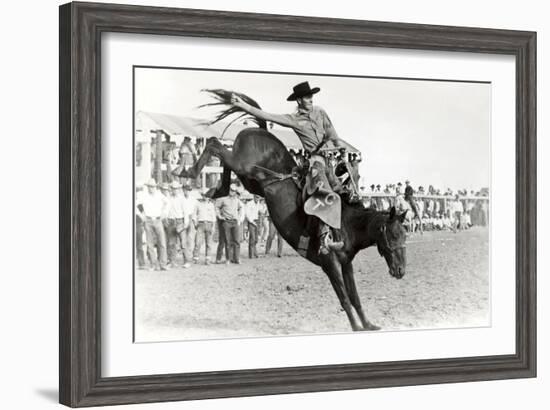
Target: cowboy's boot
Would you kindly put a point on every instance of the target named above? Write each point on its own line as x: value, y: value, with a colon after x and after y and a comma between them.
x: 327, y: 243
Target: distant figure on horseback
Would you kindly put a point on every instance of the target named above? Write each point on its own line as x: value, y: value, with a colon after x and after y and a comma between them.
x: 408, y: 201
x: 314, y: 128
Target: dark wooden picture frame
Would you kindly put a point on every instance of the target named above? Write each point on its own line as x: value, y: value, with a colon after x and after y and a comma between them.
x: 81, y: 27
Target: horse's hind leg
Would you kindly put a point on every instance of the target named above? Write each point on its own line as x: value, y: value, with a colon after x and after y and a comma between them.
x: 349, y: 281
x: 223, y: 186
x: 213, y: 148
x: 330, y: 267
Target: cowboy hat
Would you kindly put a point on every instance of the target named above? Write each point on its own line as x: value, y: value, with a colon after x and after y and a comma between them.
x: 175, y: 185
x: 302, y: 90
x: 165, y: 185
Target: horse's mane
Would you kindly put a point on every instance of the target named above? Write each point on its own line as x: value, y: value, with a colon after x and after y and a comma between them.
x: 280, y: 158
x: 223, y: 98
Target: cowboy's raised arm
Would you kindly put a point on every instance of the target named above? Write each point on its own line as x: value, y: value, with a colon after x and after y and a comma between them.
x: 283, y: 120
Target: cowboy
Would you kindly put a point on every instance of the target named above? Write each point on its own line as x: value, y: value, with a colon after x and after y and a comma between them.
x: 150, y: 210
x: 140, y: 228
x: 174, y: 224
x: 457, y: 209
x: 189, y: 206
x: 206, y: 218
x: 271, y: 236
x: 229, y: 211
x: 314, y: 128
x: 252, y: 218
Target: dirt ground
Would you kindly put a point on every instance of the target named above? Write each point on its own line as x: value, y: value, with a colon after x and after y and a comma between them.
x: 447, y: 285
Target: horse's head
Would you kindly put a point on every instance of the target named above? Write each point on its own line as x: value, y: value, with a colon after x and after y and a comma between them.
x: 391, y: 243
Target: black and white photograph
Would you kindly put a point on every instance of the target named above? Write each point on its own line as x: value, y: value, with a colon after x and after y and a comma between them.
x: 275, y: 204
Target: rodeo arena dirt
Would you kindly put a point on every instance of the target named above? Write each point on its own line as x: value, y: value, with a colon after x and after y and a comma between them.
x: 197, y: 277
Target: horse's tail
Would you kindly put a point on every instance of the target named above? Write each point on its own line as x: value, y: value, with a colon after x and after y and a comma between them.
x: 223, y: 98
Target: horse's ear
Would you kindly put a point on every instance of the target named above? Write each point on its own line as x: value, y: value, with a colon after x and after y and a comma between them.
x: 402, y: 216
x: 392, y: 213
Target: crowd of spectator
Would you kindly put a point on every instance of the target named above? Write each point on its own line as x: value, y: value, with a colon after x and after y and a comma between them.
x: 431, y: 209
x: 176, y: 229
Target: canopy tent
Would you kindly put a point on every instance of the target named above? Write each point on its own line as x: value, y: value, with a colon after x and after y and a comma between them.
x: 175, y: 126
x: 178, y: 127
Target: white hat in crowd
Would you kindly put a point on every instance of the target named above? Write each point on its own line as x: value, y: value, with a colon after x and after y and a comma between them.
x: 175, y: 185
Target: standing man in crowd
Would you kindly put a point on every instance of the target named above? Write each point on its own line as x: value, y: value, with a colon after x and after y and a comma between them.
x: 189, y: 228
x: 263, y: 228
x: 150, y: 210
x: 206, y: 218
x: 222, y: 248
x: 174, y: 223
x: 140, y: 229
x: 252, y: 218
x: 271, y: 235
x: 457, y: 209
x: 229, y: 211
x: 484, y: 213
x: 242, y: 233
x: 431, y: 207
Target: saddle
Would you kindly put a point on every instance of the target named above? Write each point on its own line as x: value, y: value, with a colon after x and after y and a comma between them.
x: 325, y: 206
x: 323, y: 193
x: 320, y: 195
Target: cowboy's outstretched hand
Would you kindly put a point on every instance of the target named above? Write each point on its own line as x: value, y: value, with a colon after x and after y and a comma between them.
x: 237, y: 101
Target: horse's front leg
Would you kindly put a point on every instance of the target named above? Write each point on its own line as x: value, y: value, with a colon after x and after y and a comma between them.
x: 330, y: 267
x: 349, y: 281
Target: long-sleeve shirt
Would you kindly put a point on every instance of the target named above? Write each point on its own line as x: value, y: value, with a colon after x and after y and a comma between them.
x: 175, y: 207
x: 312, y: 127
x: 153, y: 205
x: 189, y: 206
x: 205, y: 211
x: 252, y: 212
x: 229, y: 208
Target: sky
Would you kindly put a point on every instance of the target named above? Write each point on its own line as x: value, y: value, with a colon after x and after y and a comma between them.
x: 430, y: 132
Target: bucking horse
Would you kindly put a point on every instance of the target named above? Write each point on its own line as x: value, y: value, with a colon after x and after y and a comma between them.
x: 265, y: 168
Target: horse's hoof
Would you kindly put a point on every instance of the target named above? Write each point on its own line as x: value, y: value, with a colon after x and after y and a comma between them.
x: 370, y: 327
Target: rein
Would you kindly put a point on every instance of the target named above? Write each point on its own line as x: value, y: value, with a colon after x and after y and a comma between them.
x: 277, y: 175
